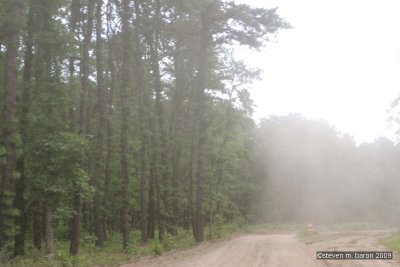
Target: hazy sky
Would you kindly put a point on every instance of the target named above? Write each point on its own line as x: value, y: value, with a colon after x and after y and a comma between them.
x: 340, y: 62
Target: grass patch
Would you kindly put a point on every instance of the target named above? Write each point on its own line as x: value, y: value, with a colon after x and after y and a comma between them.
x: 228, y: 230
x: 110, y: 255
x: 273, y: 227
x: 353, y: 226
x: 392, y: 242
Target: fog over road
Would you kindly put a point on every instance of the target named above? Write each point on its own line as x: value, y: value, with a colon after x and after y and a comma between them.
x: 273, y: 250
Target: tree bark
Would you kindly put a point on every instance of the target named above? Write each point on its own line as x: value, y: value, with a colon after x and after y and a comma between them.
x: 72, y: 28
x: 49, y: 230
x: 176, y: 132
x: 158, y: 181
x: 97, y: 209
x: 76, y: 217
x: 143, y: 115
x: 37, y: 224
x: 20, y: 221
x: 201, y: 110
x: 151, y: 224
x: 110, y: 151
x: 125, y: 125
x: 9, y: 123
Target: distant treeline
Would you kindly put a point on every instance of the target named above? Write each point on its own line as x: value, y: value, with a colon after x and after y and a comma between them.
x: 316, y: 174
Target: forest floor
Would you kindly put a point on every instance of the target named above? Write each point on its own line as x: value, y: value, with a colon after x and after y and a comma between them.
x: 273, y: 249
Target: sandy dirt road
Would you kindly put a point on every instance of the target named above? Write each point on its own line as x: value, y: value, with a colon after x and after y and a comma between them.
x: 273, y: 250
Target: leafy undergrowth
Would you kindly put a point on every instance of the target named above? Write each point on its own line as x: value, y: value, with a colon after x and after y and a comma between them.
x: 392, y: 242
x: 112, y: 255
x: 88, y: 255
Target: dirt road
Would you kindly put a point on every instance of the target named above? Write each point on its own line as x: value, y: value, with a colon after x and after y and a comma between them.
x: 273, y: 250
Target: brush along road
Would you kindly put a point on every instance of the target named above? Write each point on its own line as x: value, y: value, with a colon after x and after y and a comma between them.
x: 273, y: 250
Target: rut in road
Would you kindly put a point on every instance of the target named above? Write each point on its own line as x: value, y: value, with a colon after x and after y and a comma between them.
x: 273, y: 250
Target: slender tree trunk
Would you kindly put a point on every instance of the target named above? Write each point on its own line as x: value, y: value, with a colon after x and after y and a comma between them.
x: 42, y: 82
x: 49, y: 230
x: 20, y: 221
x: 176, y: 134
x: 143, y: 173
x: 107, y: 171
x: 201, y: 85
x: 151, y: 224
x: 192, y: 168
x: 125, y: 124
x: 159, y: 182
x: 9, y: 123
x: 98, y: 228
x: 76, y: 217
x: 199, y: 215
x: 191, y: 180
x: 142, y: 101
x: 37, y: 224
x: 159, y: 217
x: 219, y: 169
x: 72, y: 27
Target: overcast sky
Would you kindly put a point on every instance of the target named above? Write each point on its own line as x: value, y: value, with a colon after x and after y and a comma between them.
x: 340, y: 62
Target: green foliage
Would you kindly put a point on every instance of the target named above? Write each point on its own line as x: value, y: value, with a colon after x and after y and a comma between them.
x: 2, y: 154
x: 111, y: 255
x: 59, y: 157
x: 6, y: 253
x: 61, y: 230
x: 56, y: 165
x: 251, y: 26
x: 183, y: 240
x: 156, y: 248
x: 12, y: 212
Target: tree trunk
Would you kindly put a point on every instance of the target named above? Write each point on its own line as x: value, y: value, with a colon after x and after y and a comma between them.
x: 37, y: 224
x: 9, y: 124
x: 76, y: 217
x: 143, y: 112
x: 151, y: 224
x: 191, y: 184
x: 49, y: 230
x: 176, y: 133
x: 159, y: 182
x: 201, y: 85
x: 159, y: 218
x: 110, y: 151
x: 125, y: 124
x: 20, y: 221
x: 72, y: 28
x: 97, y: 209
